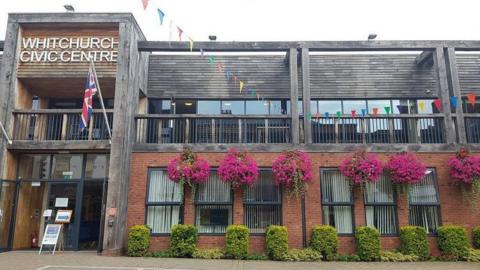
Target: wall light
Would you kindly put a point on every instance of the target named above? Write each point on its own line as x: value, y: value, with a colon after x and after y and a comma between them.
x: 188, y: 103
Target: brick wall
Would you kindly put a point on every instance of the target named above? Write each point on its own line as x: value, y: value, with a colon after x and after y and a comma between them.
x: 453, y: 209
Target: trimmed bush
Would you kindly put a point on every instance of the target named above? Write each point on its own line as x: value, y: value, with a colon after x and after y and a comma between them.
x: 325, y: 241
x: 236, y: 241
x: 476, y: 237
x: 347, y: 258
x: 393, y: 256
x: 257, y: 257
x: 413, y: 241
x: 159, y: 254
x: 277, y: 242
x: 138, y: 241
x: 367, y: 243
x: 303, y: 255
x: 183, y: 240
x: 214, y: 253
x: 473, y: 255
x: 453, y: 242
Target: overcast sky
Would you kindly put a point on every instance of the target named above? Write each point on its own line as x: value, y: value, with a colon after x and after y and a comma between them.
x: 244, y: 20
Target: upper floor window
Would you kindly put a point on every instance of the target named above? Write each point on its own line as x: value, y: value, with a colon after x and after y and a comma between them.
x: 380, y: 206
x: 208, y: 107
x: 262, y: 204
x: 337, y: 201
x: 424, y: 203
x: 356, y: 105
x: 213, y: 205
x: 164, y: 202
x: 233, y: 107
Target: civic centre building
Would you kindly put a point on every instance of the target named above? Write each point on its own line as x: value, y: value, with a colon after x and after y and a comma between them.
x: 160, y: 97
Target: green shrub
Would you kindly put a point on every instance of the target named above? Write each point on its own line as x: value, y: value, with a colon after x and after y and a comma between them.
x: 453, y: 242
x: 160, y: 254
x: 303, y: 255
x: 213, y: 253
x: 138, y: 241
x: 413, y: 241
x: 367, y: 243
x: 347, y: 258
x: 236, y: 241
x: 325, y: 241
x: 476, y: 237
x: 473, y: 255
x: 256, y: 257
x: 394, y: 256
x: 277, y: 242
x: 183, y: 240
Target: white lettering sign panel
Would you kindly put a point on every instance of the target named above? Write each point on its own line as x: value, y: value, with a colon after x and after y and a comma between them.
x: 52, y: 232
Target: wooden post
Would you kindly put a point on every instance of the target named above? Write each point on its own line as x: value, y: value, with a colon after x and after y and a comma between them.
x: 443, y: 94
x: 240, y: 135
x: 213, y: 130
x: 455, y: 86
x: 159, y: 130
x: 64, y: 126
x: 90, y: 127
x: 266, y: 130
x: 293, y: 69
x: 187, y: 130
x: 307, y: 125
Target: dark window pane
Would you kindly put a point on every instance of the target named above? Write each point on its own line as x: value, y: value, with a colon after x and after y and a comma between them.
x: 34, y: 167
x: 213, y: 218
x: 425, y: 216
x: 67, y: 166
x: 97, y: 166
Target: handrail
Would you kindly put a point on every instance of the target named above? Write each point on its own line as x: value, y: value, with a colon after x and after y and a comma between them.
x: 216, y: 116
x: 56, y: 111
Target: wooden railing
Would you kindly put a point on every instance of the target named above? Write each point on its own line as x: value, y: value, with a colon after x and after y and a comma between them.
x: 59, y: 125
x: 222, y: 129
x: 385, y: 129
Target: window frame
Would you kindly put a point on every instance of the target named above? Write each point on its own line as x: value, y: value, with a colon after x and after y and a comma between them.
x: 148, y: 204
x: 351, y: 203
x: 394, y: 204
x: 437, y: 204
x: 196, y: 203
x: 259, y: 203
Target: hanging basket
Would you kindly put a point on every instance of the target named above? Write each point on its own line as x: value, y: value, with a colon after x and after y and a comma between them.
x: 361, y: 168
x: 405, y: 169
x: 238, y: 169
x: 292, y: 170
x: 188, y: 168
x: 465, y: 171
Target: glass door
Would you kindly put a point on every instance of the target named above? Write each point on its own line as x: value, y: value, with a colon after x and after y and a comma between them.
x: 7, y: 200
x: 63, y: 196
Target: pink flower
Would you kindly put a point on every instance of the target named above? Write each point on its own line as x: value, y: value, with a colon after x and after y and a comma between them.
x: 405, y: 168
x: 188, y: 168
x: 361, y: 168
x: 292, y: 169
x: 238, y: 168
x: 464, y: 168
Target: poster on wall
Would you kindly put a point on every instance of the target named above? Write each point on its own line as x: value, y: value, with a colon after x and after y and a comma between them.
x: 61, y: 202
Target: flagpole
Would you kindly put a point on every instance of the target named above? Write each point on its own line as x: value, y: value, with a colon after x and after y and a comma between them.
x: 5, y: 133
x: 101, y: 101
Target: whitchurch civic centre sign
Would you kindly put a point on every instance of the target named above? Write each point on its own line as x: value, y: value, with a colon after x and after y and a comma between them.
x: 68, y: 49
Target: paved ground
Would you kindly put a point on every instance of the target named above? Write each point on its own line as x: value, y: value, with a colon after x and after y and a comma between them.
x: 28, y: 260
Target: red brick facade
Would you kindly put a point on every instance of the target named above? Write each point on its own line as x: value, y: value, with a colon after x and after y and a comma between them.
x: 453, y: 209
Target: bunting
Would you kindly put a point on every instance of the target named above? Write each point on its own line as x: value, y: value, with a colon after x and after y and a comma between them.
x: 327, y: 114
x: 180, y: 32
x: 454, y: 101
x: 387, y: 109
x: 161, y: 15
x: 438, y: 104
x: 145, y: 4
x: 421, y: 105
x: 241, y: 86
x: 339, y: 114
x: 364, y: 112
x: 353, y: 113
x: 375, y: 111
x: 471, y: 99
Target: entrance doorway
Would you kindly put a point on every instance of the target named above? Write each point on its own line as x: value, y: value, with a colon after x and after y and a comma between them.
x: 75, y: 182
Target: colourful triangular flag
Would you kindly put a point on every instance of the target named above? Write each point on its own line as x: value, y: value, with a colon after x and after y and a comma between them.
x: 161, y: 15
x: 327, y: 114
x: 258, y: 96
x: 339, y: 114
x: 145, y: 4
x: 180, y: 32
x: 241, y: 86
x: 438, y: 104
x: 309, y: 116
x: 387, y: 109
x: 211, y: 59
x: 454, y: 101
x: 201, y: 52
x: 364, y: 112
x: 220, y: 67
x: 471, y: 98
x: 421, y: 105
x: 353, y: 113
x: 375, y: 111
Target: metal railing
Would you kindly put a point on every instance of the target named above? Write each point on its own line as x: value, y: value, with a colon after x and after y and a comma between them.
x: 225, y: 129
x: 59, y: 125
x: 382, y: 129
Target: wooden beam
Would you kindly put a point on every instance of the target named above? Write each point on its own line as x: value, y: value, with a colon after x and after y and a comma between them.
x: 424, y: 59
x: 293, y: 70
x: 306, y: 95
x: 444, y: 95
x: 284, y: 46
x: 454, y: 84
x: 1, y: 45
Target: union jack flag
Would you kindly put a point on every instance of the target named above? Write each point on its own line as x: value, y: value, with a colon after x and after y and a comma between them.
x: 90, y: 91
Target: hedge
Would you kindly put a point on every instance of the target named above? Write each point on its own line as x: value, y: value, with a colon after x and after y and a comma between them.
x: 476, y: 237
x: 413, y: 241
x: 453, y: 242
x: 325, y: 241
x: 277, y: 242
x: 138, y: 241
x: 303, y: 255
x: 211, y: 254
x: 183, y: 240
x: 367, y: 243
x: 236, y: 241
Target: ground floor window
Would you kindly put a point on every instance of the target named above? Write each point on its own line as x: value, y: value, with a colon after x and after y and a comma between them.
x: 262, y: 204
x: 337, y: 201
x: 380, y: 206
x: 424, y: 204
x: 164, y: 202
x: 213, y: 204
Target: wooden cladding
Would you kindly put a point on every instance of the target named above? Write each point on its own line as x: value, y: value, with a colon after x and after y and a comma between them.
x: 468, y: 66
x: 76, y: 44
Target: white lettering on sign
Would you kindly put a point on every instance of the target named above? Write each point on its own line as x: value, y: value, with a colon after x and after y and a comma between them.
x: 68, y: 49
